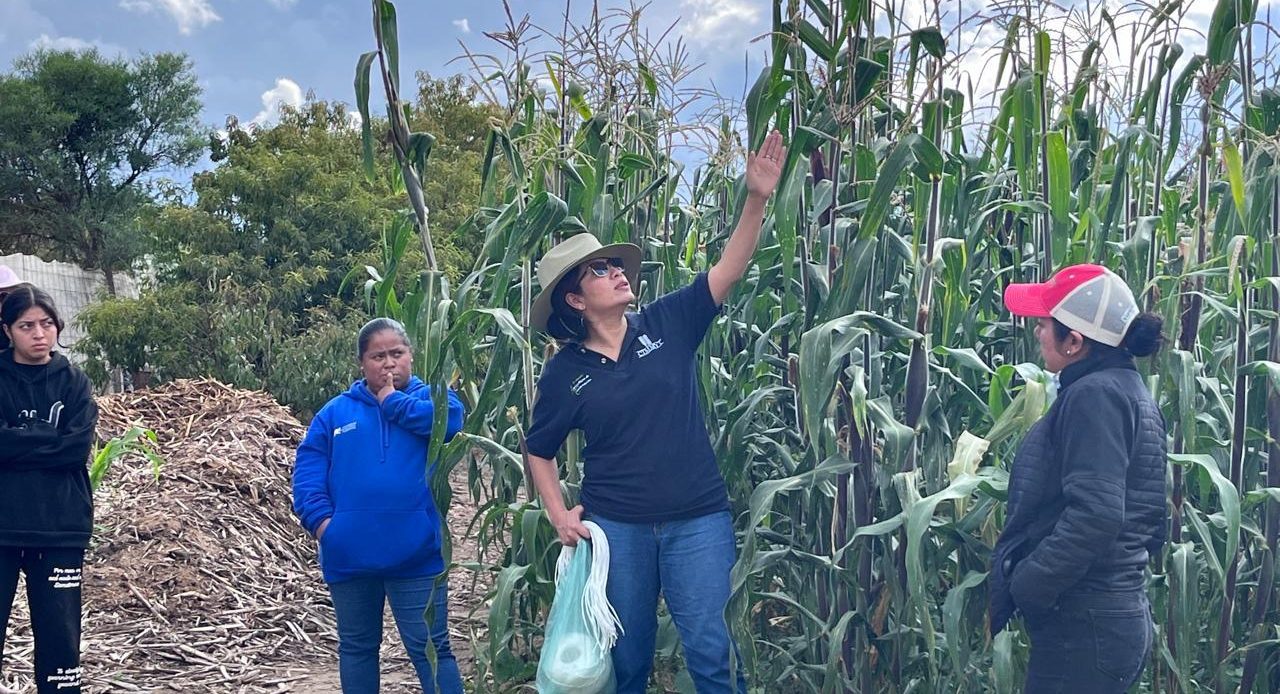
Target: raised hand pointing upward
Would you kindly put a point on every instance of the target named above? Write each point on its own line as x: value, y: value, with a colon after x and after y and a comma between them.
x: 765, y: 166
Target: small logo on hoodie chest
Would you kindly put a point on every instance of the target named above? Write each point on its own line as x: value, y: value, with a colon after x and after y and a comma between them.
x: 55, y: 414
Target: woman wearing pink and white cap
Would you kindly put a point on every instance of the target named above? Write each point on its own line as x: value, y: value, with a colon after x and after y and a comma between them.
x: 1087, y: 502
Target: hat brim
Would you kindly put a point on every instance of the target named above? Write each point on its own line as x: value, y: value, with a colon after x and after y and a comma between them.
x: 1026, y: 300
x: 631, y: 256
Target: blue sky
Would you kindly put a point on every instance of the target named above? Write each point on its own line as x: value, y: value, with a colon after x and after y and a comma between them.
x: 252, y: 55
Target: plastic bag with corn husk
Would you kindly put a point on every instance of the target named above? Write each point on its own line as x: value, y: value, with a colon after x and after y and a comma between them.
x: 583, y: 626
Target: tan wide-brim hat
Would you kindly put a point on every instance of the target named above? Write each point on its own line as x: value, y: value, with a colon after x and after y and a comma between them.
x: 569, y: 254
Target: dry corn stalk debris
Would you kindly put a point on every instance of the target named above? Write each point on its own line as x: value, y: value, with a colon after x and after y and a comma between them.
x: 203, y: 581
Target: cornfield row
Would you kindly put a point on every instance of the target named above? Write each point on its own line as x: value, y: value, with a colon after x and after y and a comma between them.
x: 865, y: 387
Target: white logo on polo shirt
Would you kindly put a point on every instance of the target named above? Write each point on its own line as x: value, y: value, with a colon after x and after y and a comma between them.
x: 649, y: 346
x: 579, y: 383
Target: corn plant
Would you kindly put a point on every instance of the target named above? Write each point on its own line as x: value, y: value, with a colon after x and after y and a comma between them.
x: 137, y: 441
x: 864, y: 386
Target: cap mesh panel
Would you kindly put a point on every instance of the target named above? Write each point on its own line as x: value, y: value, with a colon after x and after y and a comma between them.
x: 1117, y: 315
x: 1083, y: 304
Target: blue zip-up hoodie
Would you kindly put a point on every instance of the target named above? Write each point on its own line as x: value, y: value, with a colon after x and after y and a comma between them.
x: 364, y: 466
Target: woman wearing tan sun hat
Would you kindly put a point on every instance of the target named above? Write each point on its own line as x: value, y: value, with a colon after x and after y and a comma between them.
x: 554, y: 316
x: 628, y: 381
x: 1086, y: 491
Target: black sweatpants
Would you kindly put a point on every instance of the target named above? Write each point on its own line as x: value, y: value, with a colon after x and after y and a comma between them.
x: 53, y: 593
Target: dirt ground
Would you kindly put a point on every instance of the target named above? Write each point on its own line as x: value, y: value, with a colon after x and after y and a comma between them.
x: 397, y: 677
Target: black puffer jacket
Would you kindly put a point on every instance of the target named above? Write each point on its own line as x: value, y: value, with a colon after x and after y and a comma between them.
x: 1086, y: 494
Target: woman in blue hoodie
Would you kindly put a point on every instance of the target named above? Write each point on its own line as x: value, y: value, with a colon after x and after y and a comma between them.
x: 47, y: 420
x: 360, y: 488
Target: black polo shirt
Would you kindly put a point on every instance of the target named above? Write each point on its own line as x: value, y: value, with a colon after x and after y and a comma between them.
x: 648, y: 457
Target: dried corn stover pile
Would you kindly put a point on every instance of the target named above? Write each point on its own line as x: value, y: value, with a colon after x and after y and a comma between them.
x: 203, y: 581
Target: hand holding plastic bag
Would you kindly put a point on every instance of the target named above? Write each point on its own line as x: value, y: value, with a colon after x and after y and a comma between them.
x: 582, y: 627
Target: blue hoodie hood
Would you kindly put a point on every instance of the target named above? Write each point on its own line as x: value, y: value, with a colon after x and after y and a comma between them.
x: 364, y: 466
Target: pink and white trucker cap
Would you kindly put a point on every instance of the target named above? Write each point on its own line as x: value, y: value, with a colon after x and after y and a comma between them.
x: 1089, y: 299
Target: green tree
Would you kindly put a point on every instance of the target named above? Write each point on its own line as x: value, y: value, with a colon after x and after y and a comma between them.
x: 79, y: 136
x: 284, y: 211
x: 259, y: 257
x: 256, y: 252
x: 127, y: 333
x: 180, y: 331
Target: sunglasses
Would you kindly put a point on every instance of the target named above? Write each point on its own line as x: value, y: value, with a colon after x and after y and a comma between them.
x: 601, y: 266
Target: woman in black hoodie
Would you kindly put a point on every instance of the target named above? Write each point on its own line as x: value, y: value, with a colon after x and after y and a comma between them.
x: 47, y: 420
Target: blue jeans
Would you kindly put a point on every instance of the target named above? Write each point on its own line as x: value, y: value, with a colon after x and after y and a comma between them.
x: 688, y: 561
x: 358, y: 605
x: 1089, y: 642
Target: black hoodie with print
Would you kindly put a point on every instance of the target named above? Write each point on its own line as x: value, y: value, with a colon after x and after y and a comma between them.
x: 47, y: 420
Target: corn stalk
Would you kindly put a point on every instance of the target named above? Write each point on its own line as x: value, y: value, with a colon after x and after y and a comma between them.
x: 865, y: 388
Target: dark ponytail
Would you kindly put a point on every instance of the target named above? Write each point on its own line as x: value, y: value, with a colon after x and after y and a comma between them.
x: 1145, y: 335
x: 1144, y: 338
x: 566, y: 323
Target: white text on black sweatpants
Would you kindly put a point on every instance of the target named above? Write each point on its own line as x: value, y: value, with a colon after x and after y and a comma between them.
x: 53, y: 593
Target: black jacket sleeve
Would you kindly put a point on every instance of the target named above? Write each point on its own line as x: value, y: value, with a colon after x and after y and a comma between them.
x: 1095, y: 431
x: 17, y: 444
x: 39, y: 445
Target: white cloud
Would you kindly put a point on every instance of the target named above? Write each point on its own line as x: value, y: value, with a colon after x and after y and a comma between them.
x: 61, y: 43
x: 283, y: 4
x: 720, y: 21
x: 71, y: 43
x: 189, y: 14
x: 21, y: 20
x: 285, y: 93
x: 463, y: 25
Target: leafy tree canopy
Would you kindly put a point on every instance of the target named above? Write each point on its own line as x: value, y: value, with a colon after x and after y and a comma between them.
x: 79, y: 136
x: 256, y: 251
